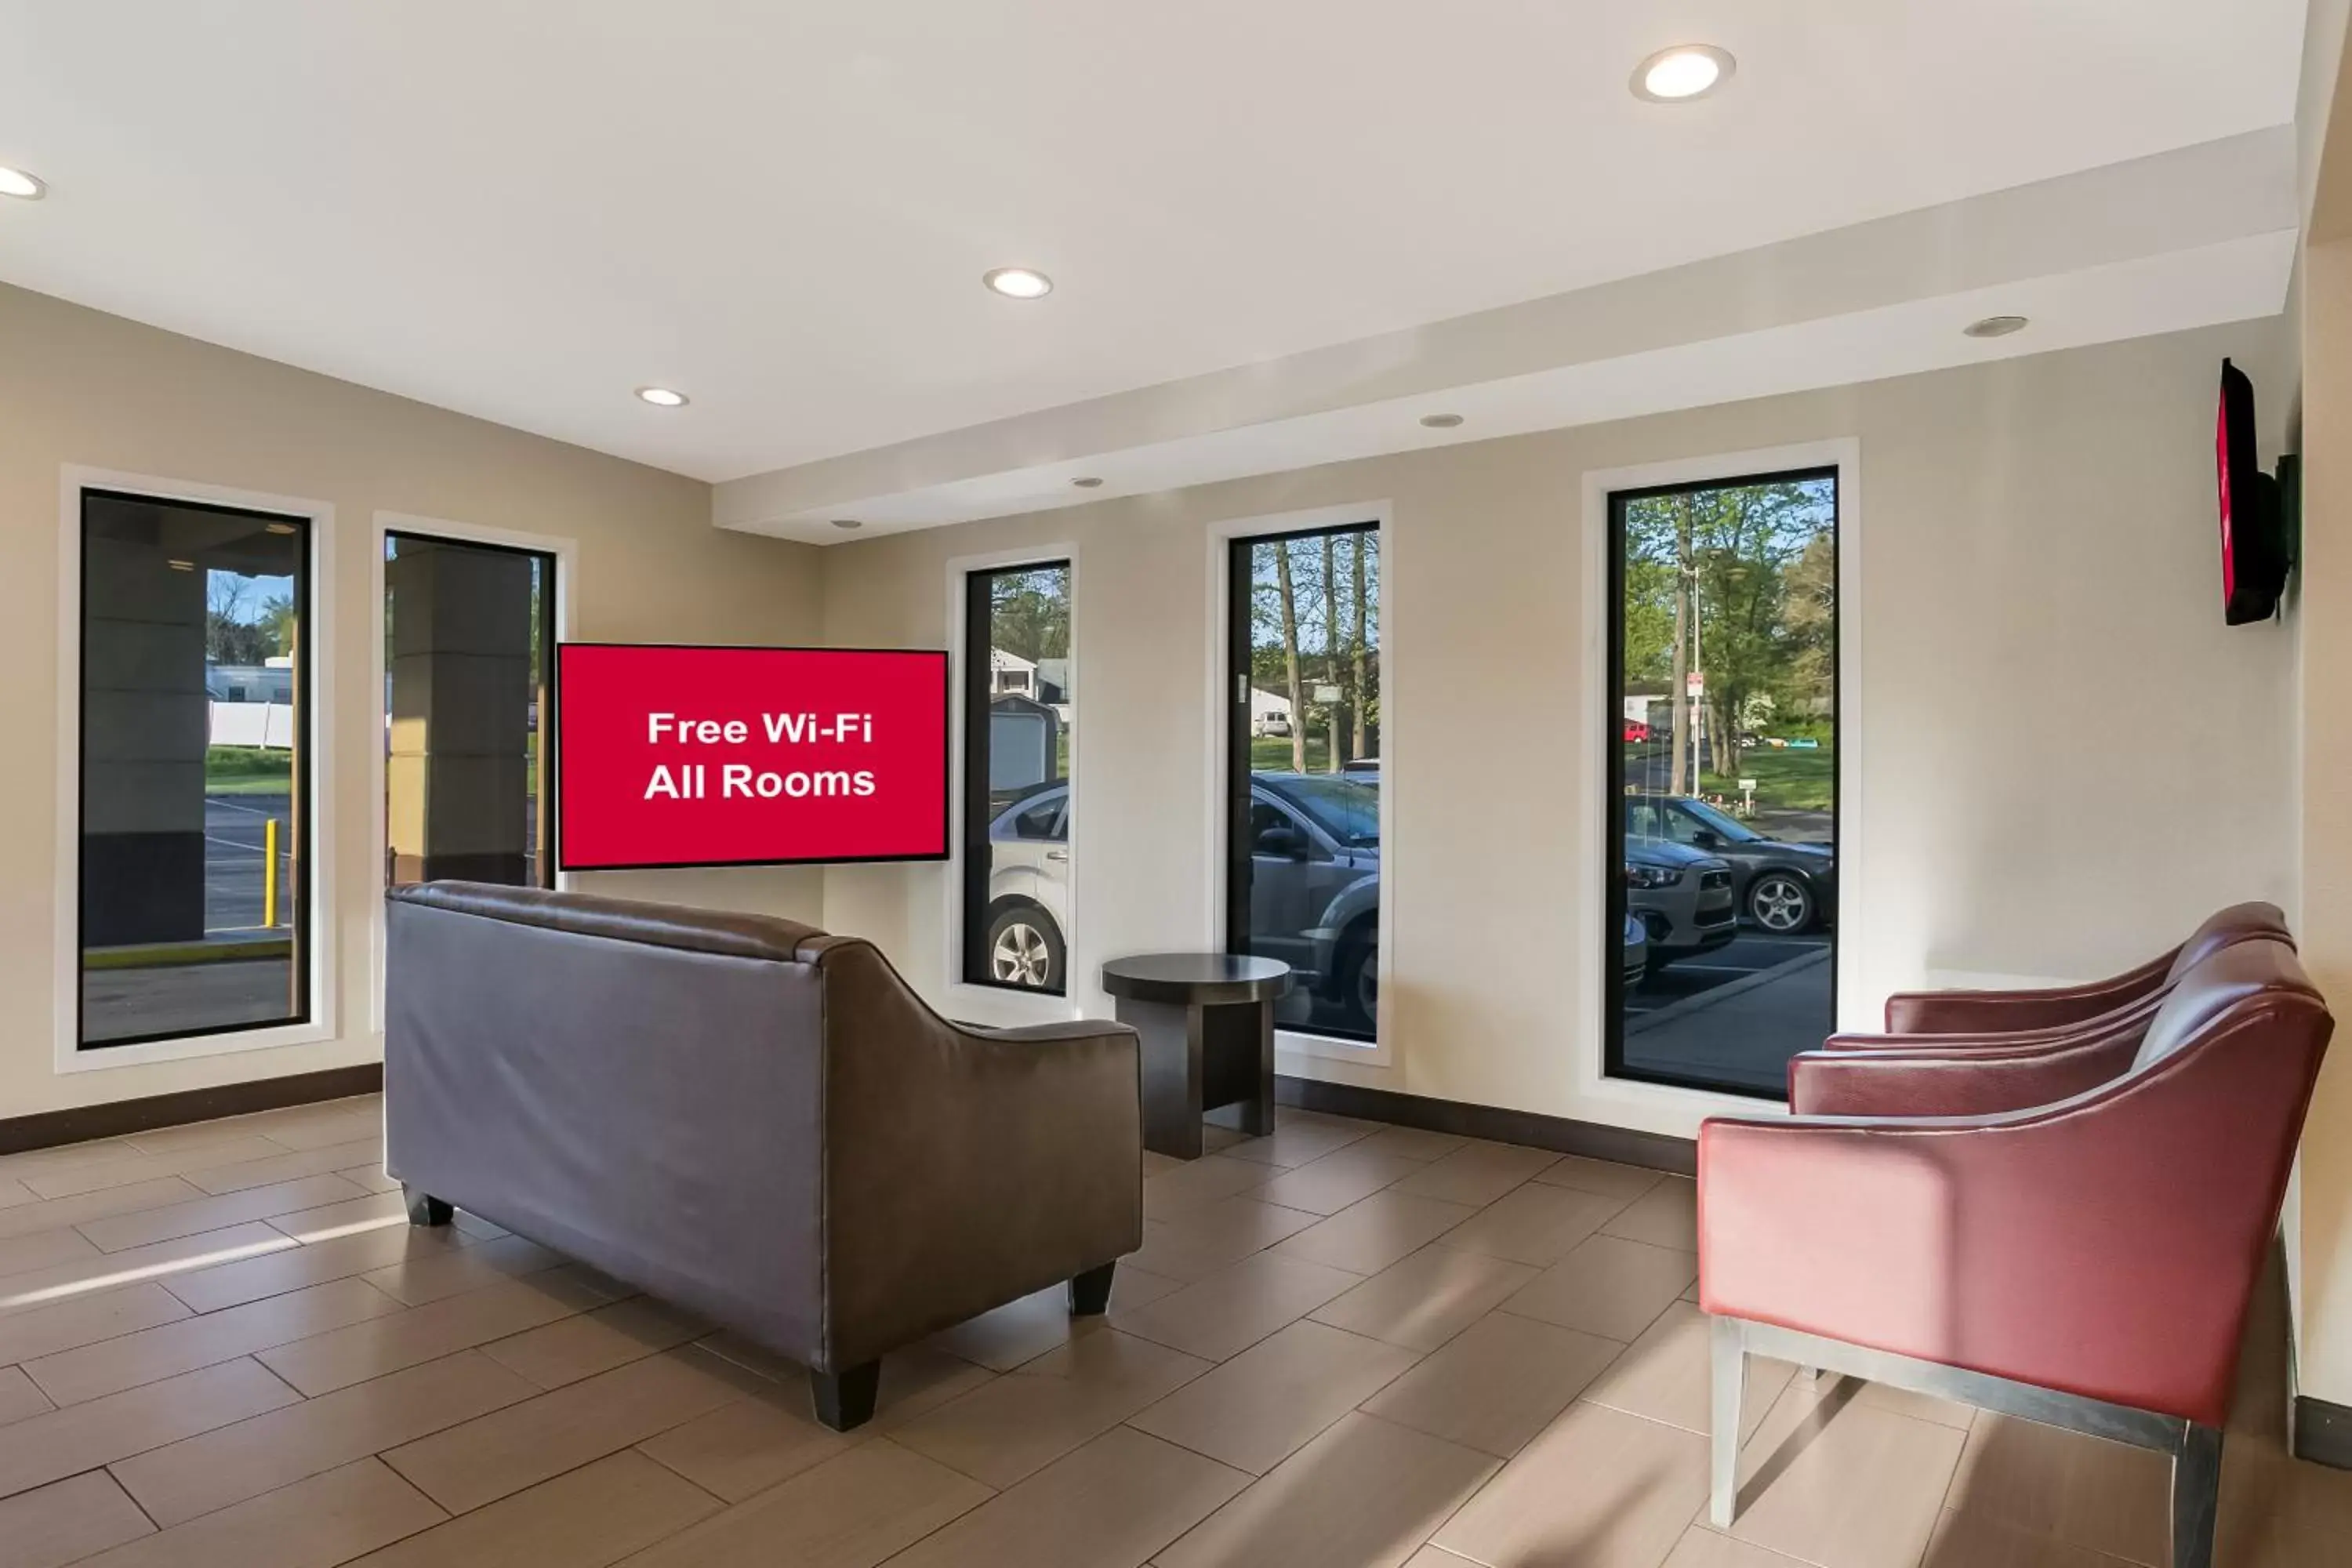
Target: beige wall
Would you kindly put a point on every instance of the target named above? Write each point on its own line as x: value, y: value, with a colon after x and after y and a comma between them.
x: 2066, y: 758
x: 2326, y: 628
x: 80, y: 387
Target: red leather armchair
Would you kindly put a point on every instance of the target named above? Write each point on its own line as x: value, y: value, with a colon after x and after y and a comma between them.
x: 2066, y: 1232
x: 1979, y: 1012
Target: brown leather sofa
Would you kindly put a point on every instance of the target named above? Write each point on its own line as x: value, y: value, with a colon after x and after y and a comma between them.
x: 750, y: 1119
x: 2069, y: 1231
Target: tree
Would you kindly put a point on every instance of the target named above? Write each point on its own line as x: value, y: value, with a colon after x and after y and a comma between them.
x: 1290, y: 656
x: 1359, y: 693
x: 1736, y: 584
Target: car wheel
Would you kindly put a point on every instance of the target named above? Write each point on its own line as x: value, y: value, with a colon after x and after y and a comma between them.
x: 1024, y: 949
x: 1360, y: 984
x: 1780, y: 903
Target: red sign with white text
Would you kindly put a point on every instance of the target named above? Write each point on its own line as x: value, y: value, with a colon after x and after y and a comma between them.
x: 738, y: 756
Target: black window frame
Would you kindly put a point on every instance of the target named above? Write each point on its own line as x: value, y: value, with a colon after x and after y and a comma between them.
x: 303, y: 885
x: 978, y: 683
x: 1612, y: 869
x: 1240, y: 866
x: 543, y: 834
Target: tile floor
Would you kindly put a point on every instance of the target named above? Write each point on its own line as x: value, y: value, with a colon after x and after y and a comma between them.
x: 1341, y: 1345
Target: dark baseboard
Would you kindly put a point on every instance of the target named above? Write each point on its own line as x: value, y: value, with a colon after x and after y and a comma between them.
x: 2323, y: 1432
x: 1652, y: 1151
x: 121, y: 1118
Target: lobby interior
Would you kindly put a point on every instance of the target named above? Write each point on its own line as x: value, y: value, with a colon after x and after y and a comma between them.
x: 1616, y: 626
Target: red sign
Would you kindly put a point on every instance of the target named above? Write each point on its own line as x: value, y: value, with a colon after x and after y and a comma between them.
x: 743, y: 756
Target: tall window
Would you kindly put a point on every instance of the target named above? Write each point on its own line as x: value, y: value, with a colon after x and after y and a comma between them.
x: 1019, y: 704
x: 1723, y: 759
x: 194, y: 795
x: 468, y: 631
x: 1303, y: 791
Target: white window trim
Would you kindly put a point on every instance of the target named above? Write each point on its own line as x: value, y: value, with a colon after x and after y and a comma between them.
x: 1665, y: 1107
x: 1000, y: 1005
x: 324, y: 916
x: 1295, y: 1049
x: 567, y: 571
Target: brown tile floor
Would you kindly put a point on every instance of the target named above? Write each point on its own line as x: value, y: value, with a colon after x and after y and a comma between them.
x: 1341, y: 1345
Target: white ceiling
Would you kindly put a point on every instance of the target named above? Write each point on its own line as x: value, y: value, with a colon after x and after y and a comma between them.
x: 524, y: 211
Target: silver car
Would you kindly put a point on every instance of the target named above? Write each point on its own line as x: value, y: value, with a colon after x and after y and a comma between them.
x: 1029, y: 890
x: 1314, y: 888
x: 1683, y: 896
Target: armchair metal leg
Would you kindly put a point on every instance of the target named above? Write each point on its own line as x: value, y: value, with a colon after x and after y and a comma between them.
x: 2196, y: 1496
x: 424, y: 1208
x: 1730, y: 1353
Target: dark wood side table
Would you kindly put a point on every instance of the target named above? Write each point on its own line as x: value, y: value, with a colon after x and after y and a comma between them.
x: 1207, y: 1022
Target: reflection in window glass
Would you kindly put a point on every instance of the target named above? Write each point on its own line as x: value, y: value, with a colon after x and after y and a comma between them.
x: 467, y: 633
x: 1303, y: 867
x: 1723, y: 885
x: 194, y: 728
x: 1020, y: 702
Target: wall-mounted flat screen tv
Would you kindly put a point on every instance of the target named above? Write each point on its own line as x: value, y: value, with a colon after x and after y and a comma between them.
x: 2254, y: 527
x: 670, y: 755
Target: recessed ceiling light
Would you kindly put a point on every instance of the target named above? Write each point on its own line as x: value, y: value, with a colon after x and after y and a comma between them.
x: 663, y: 396
x: 278, y: 527
x: 1018, y: 282
x: 1995, y: 327
x: 846, y: 523
x: 1088, y: 483
x: 181, y: 565
x: 19, y: 184
x: 1682, y: 73
x: 1440, y: 421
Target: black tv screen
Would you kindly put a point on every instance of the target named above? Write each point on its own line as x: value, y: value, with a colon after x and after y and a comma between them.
x: 2253, y: 542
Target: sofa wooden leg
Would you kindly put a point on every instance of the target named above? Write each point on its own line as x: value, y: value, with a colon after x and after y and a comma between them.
x: 424, y: 1208
x: 1090, y: 1292
x: 2196, y: 1496
x: 844, y: 1399
x: 1730, y: 1355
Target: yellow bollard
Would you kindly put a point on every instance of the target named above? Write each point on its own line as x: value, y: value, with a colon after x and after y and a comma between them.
x: 270, y: 874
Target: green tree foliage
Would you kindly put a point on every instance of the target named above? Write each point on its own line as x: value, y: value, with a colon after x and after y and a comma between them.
x: 1761, y: 562
x: 1332, y: 632
x: 1029, y: 613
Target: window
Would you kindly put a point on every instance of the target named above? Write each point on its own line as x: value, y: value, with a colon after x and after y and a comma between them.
x: 1723, y: 853
x: 194, y: 795
x: 468, y: 631
x: 1303, y: 808
x: 1019, y: 704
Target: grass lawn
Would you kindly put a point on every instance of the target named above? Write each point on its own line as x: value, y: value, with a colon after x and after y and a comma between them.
x: 247, y: 769
x: 1791, y: 780
x: 1271, y: 754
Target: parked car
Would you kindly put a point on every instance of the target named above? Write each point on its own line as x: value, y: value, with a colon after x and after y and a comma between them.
x: 1315, y: 883
x: 1636, y: 960
x: 1682, y: 895
x: 1276, y: 726
x: 1636, y: 730
x: 1315, y: 886
x: 1780, y: 885
x: 1029, y: 889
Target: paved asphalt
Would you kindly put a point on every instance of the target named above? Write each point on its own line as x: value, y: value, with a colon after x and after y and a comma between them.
x: 234, y: 827
x: 1740, y: 957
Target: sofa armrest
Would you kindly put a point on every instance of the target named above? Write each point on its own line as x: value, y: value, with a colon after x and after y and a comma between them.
x: 1924, y: 1081
x: 1062, y: 1029
x: 965, y: 1167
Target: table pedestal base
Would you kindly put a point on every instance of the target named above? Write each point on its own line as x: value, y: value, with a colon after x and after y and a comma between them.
x: 1197, y: 1057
